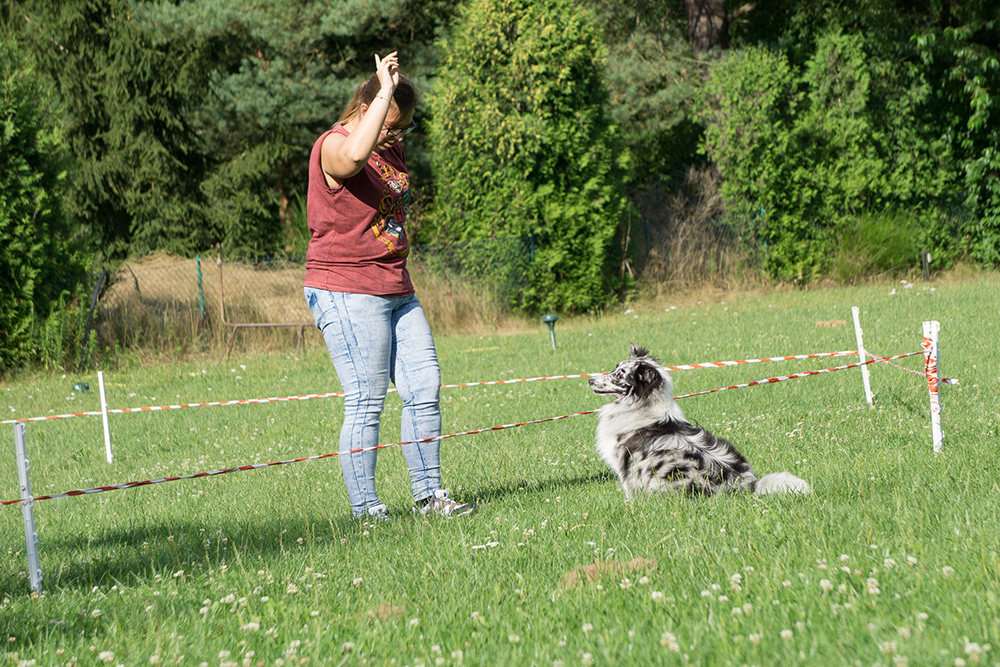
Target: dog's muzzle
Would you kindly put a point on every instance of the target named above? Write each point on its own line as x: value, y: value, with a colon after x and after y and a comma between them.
x: 605, y: 385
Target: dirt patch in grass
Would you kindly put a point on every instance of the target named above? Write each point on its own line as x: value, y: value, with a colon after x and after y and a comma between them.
x: 598, y: 570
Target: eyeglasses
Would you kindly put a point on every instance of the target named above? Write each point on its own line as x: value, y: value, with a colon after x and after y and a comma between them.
x: 400, y: 131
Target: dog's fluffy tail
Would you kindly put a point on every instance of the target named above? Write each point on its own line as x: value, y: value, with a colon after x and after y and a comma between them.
x: 781, y: 482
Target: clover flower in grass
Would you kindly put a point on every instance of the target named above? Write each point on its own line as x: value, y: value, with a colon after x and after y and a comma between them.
x: 106, y: 656
x: 252, y: 626
x: 786, y: 634
x: 871, y: 586
x: 911, y: 561
x: 587, y: 659
x: 947, y: 572
x: 667, y: 639
x: 96, y: 613
x: 414, y: 622
x: 292, y: 589
x: 755, y: 638
x: 974, y: 650
x: 587, y: 627
x: 657, y: 596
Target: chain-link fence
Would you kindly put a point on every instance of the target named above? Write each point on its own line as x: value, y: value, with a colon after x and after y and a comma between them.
x: 172, y: 304
x: 680, y: 254
x: 179, y: 305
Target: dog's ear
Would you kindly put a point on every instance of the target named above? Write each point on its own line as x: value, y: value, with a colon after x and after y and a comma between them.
x: 647, y: 379
x: 638, y: 350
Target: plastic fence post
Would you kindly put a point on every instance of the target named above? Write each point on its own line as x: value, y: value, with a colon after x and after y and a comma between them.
x: 104, y: 415
x: 861, y: 354
x: 28, y: 509
x: 932, y: 370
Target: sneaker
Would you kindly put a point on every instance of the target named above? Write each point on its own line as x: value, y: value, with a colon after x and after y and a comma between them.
x: 439, y: 503
x: 379, y: 512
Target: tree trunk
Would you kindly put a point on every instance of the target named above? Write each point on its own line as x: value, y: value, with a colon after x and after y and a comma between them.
x: 708, y: 26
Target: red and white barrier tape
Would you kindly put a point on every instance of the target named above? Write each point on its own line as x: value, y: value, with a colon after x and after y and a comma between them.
x: 255, y: 466
x: 800, y: 375
x: 910, y: 370
x: 157, y: 408
x: 720, y: 364
x: 281, y: 399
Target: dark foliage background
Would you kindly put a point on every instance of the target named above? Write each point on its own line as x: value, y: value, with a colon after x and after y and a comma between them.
x: 133, y: 126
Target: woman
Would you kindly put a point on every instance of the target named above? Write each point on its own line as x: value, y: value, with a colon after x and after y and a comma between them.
x: 360, y: 294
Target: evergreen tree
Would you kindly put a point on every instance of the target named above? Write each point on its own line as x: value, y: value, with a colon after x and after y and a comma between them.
x: 276, y: 77
x: 38, y: 260
x: 136, y: 162
x: 523, y: 145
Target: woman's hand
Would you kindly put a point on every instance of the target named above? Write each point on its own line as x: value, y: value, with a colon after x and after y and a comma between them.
x: 388, y: 71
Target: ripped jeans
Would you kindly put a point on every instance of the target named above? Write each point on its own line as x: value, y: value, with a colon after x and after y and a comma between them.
x: 373, y: 340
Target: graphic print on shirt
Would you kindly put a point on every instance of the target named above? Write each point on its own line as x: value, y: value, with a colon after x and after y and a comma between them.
x: 391, y: 216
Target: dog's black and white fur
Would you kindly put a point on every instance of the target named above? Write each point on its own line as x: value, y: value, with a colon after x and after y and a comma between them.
x: 644, y: 437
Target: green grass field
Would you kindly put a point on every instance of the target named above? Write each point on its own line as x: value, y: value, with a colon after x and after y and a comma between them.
x: 893, y: 560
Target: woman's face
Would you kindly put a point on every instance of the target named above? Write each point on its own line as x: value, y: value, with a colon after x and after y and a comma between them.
x: 396, y: 126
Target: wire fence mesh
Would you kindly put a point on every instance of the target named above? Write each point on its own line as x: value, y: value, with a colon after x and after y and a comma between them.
x: 173, y: 303
x: 170, y: 303
x: 680, y: 253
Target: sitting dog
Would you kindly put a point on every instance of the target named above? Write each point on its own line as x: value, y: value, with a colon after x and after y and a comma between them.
x: 644, y: 437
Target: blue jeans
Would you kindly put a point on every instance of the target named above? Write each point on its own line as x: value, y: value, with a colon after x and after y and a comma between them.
x: 374, y: 340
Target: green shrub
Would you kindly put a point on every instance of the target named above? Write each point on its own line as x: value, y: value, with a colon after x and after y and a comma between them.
x: 38, y: 255
x: 523, y: 145
x: 806, y: 151
x: 60, y: 338
x: 874, y: 243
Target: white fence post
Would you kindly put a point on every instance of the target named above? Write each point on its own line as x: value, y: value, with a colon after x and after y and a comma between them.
x: 104, y: 416
x: 28, y: 509
x: 931, y: 368
x: 861, y: 354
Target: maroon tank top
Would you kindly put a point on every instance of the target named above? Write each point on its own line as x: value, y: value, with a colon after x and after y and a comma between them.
x: 357, y: 239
